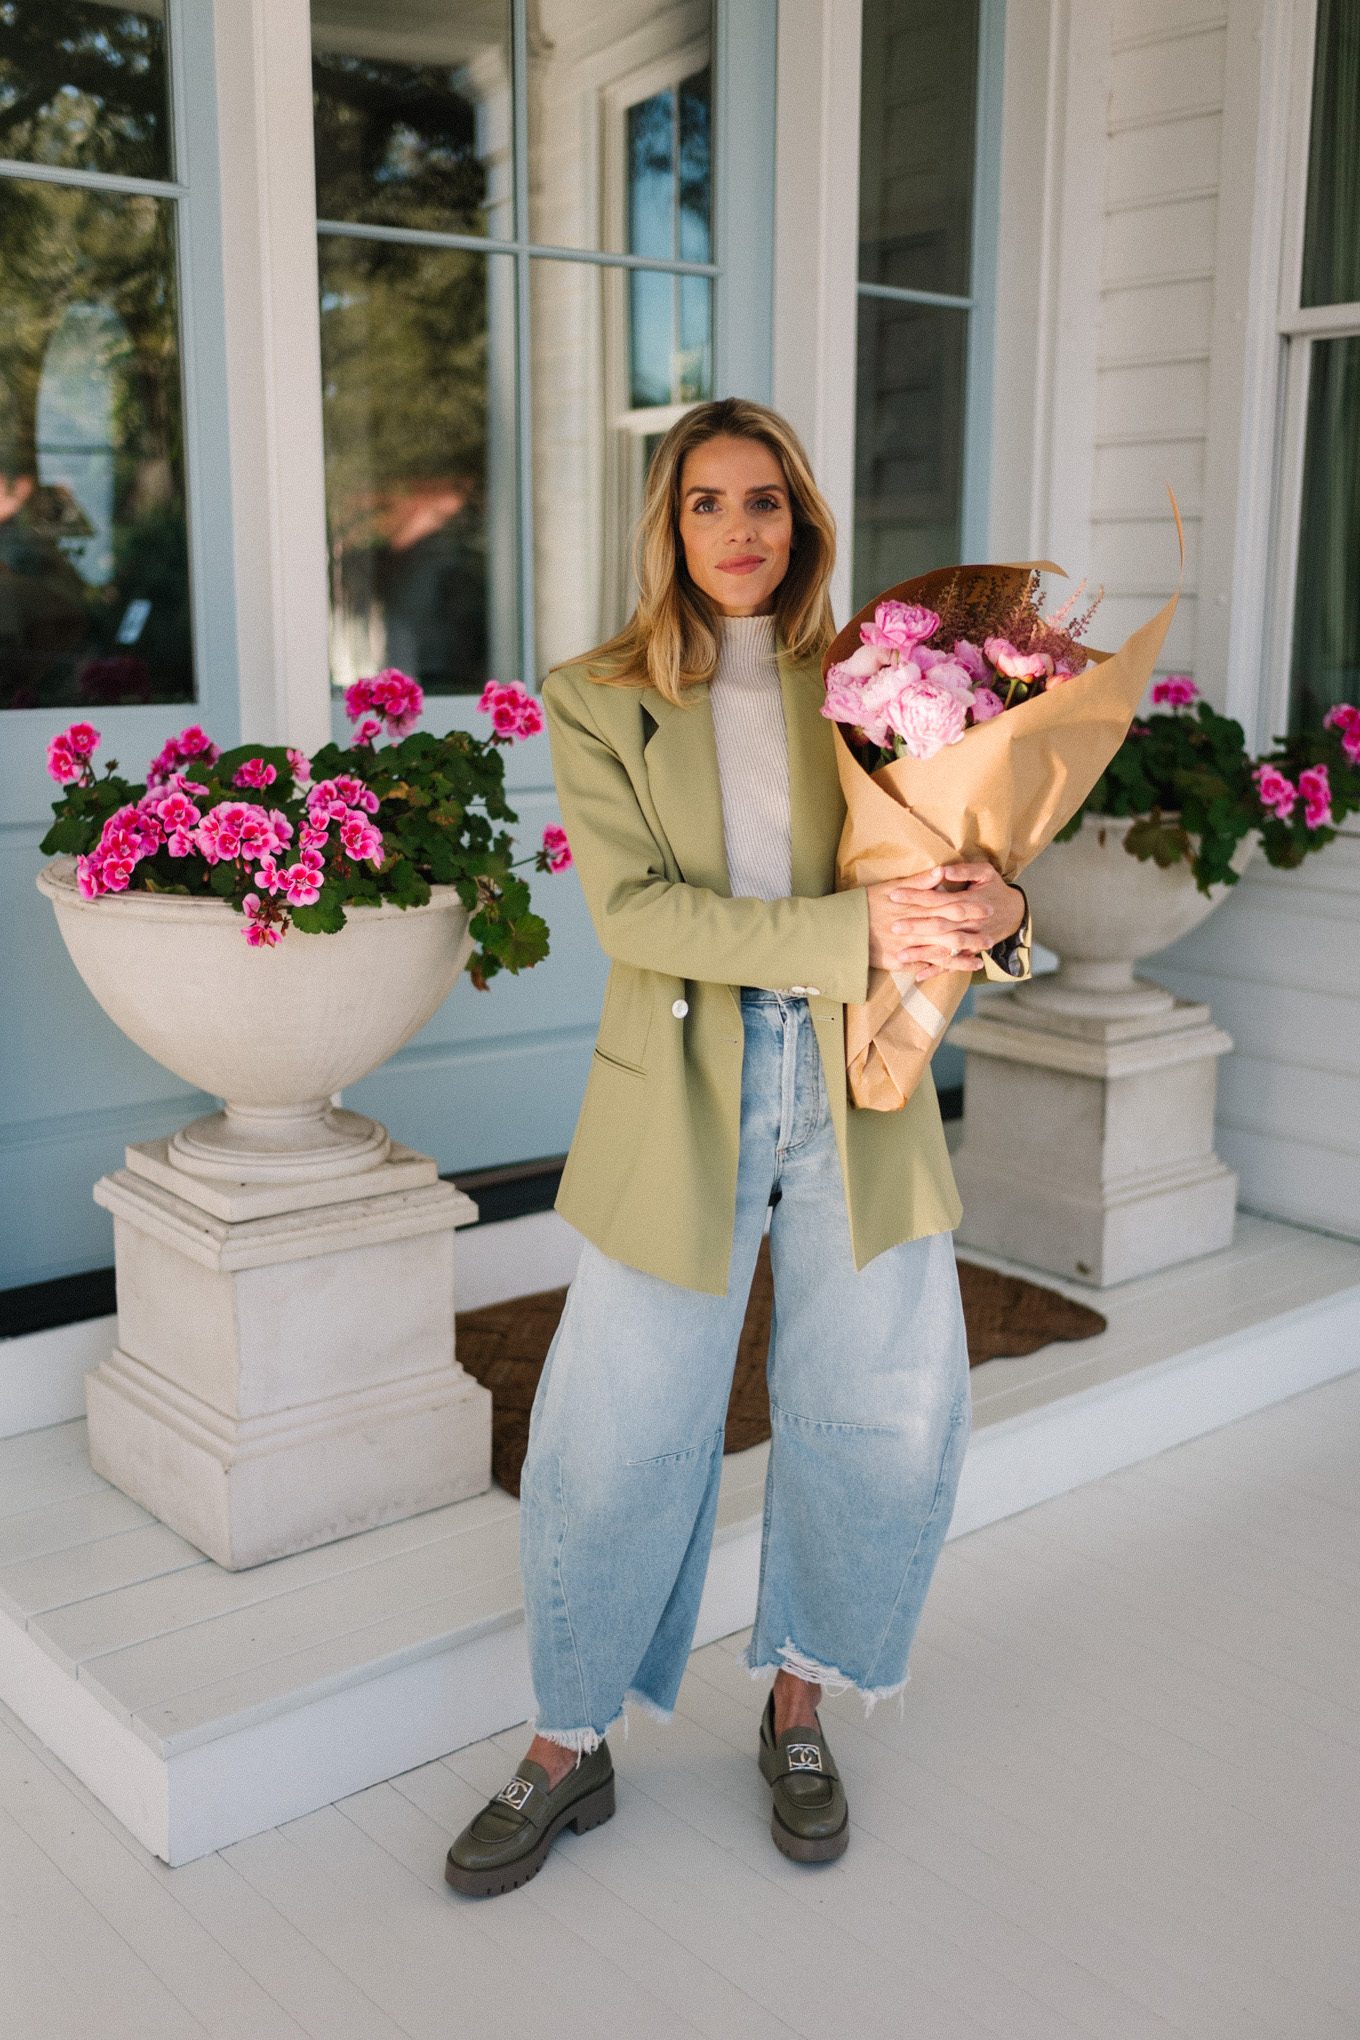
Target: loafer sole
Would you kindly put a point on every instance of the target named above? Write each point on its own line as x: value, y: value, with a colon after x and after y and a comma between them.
x: 809, y: 1848
x: 583, y: 1814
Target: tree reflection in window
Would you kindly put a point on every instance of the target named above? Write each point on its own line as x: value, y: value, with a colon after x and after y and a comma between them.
x: 669, y: 216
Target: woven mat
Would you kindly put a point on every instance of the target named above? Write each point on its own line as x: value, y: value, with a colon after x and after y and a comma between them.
x: 505, y: 1345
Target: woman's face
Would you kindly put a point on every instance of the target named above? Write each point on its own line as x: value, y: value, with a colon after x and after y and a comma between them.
x: 736, y: 523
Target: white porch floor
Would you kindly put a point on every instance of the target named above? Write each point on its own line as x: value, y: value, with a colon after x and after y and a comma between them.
x: 1124, y: 1801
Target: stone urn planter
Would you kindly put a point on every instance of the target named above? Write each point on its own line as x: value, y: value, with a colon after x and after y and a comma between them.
x: 1088, y: 1135
x: 1103, y: 910
x: 285, y: 1371
x: 273, y: 1032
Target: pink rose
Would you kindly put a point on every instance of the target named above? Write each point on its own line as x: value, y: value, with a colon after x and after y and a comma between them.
x: 1177, y: 690
x: 927, y: 717
x: 986, y: 704
x: 903, y: 625
x: 556, y: 846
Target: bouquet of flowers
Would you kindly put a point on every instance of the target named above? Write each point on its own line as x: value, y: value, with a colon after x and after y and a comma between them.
x: 291, y: 841
x: 969, y: 726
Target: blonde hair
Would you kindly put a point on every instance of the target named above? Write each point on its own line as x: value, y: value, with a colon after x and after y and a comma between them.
x: 670, y: 641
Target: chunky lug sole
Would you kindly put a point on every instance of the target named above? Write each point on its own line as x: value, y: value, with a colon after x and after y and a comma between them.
x: 804, y: 1850
x: 584, y: 1814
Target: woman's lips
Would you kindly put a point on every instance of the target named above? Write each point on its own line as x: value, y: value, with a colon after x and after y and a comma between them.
x: 746, y: 565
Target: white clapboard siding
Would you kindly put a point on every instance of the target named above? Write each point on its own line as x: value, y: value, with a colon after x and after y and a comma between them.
x: 1163, y: 145
x: 1279, y: 961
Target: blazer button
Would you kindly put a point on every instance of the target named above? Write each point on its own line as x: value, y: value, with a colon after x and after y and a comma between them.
x: 680, y: 1008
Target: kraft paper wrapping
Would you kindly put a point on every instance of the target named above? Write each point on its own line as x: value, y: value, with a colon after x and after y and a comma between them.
x: 1002, y: 792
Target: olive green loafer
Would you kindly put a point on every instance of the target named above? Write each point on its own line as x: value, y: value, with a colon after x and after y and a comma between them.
x: 508, y: 1841
x: 809, y: 1820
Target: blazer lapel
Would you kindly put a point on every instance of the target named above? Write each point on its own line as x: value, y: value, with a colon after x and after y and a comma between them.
x: 681, y: 758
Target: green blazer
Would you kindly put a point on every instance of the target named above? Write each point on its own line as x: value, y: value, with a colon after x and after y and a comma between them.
x: 652, y: 1172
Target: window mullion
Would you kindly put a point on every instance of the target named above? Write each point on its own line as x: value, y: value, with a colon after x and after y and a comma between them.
x: 524, y: 416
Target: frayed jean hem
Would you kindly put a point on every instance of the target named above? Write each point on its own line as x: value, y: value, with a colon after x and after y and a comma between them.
x: 829, y: 1677
x: 584, y: 1740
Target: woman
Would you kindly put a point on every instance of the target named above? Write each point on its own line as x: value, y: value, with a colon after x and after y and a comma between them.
x: 698, y: 785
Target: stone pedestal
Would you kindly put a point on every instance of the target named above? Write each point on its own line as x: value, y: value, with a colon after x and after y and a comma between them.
x: 1088, y: 1140
x: 285, y: 1370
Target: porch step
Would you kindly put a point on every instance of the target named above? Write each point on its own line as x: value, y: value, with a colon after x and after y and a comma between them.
x: 202, y: 1706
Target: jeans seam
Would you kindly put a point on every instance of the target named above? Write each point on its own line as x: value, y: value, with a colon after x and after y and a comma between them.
x: 673, y: 1458
x: 955, y: 1421
x: 562, y: 1590
x: 833, y: 1423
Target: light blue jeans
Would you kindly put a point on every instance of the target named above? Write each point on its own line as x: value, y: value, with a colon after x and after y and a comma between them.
x: 871, y: 1411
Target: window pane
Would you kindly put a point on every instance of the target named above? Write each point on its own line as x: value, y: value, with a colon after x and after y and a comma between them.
x: 593, y: 437
x: 94, y: 581
x: 917, y: 124
x: 1331, y: 249
x: 418, y: 351
x: 1326, y: 664
x: 619, y: 121
x: 83, y: 85
x: 909, y: 418
x: 412, y: 109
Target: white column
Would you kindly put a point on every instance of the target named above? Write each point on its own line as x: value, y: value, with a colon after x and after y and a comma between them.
x: 816, y: 249
x: 265, y: 186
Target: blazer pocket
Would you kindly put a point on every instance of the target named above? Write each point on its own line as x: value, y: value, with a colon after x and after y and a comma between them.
x: 616, y: 1062
x: 626, y: 1020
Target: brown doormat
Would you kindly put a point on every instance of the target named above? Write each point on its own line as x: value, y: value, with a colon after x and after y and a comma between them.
x: 505, y: 1345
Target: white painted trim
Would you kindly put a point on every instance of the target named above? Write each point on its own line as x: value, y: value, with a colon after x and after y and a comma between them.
x: 816, y: 246
x: 272, y: 379
x: 208, y: 1792
x: 1245, y: 649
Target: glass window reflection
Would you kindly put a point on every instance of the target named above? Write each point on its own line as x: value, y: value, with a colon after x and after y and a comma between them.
x: 417, y: 365
x: 83, y: 86
x: 413, y: 114
x: 909, y: 423
x: 918, y: 123
x: 94, y: 581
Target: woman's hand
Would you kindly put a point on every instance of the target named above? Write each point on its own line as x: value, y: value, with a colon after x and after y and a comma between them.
x: 942, y: 919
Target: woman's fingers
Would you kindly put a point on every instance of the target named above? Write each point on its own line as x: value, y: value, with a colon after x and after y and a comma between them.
x: 940, y: 916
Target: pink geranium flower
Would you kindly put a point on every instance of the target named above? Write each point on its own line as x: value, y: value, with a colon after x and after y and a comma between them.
x: 1178, y: 690
x: 355, y: 794
x: 1275, y: 790
x: 192, y: 742
x: 1346, y: 718
x: 368, y: 729
x: 360, y: 839
x: 302, y: 885
x: 255, y: 772
x: 300, y: 765
x: 1316, y: 790
x: 264, y: 925
x: 398, y: 699
x: 68, y: 756
x: 557, y: 847
x: 513, y: 710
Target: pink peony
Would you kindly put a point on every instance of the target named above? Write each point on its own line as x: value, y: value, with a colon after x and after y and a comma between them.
x: 970, y: 658
x: 902, y: 625
x: 1063, y: 670
x: 557, y: 847
x: 1275, y: 790
x: 945, y: 671
x: 255, y: 772
x: 927, y: 717
x: 1013, y: 665
x: 986, y: 704
x: 1177, y: 691
x: 862, y: 664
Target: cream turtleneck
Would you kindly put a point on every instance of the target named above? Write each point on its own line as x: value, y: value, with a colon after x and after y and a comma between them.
x: 753, y: 762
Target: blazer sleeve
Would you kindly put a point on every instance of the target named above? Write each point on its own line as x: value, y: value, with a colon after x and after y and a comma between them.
x: 1009, y: 958
x: 642, y: 917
